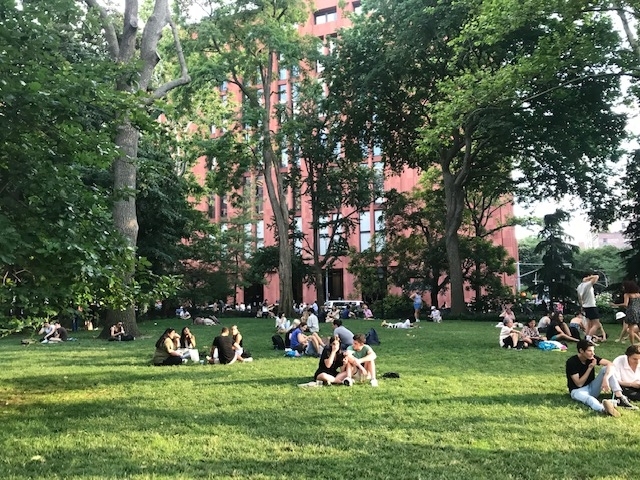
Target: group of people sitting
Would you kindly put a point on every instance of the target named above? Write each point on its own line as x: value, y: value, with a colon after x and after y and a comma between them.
x: 344, y: 357
x: 174, y: 349
x: 550, y: 327
x: 53, y: 333
x: 620, y: 377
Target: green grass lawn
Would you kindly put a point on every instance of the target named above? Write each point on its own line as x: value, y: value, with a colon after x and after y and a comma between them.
x: 463, y: 408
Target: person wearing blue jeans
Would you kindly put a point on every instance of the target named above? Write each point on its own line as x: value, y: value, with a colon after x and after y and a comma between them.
x: 584, y: 386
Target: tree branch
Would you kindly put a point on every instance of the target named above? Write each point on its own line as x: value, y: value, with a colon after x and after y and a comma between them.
x: 109, y: 29
x: 184, y: 73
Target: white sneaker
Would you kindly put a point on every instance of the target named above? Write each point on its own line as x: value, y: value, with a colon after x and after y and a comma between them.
x: 348, y: 382
x: 374, y: 382
x: 248, y: 359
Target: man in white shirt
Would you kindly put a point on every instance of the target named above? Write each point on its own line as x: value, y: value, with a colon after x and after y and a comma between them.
x: 587, y: 300
x: 435, y: 314
x: 312, y: 322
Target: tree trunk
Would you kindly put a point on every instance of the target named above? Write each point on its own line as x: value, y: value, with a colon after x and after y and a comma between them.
x: 124, y: 214
x: 454, y: 198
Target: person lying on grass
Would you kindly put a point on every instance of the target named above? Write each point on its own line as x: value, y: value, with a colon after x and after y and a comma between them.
x: 166, y: 352
x: 365, y: 359
x: 584, y: 386
x: 406, y: 324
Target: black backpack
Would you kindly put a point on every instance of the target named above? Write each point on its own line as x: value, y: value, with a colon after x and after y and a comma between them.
x: 371, y: 338
x: 278, y: 342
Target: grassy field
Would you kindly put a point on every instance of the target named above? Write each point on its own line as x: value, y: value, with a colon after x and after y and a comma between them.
x: 463, y: 408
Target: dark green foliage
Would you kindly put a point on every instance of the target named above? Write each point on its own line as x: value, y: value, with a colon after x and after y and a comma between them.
x: 558, y: 279
x: 57, y: 112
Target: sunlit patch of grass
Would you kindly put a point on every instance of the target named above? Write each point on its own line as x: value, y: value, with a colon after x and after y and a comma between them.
x: 462, y: 408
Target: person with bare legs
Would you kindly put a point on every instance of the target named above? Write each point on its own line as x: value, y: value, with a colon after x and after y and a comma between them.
x: 416, y: 296
x: 558, y: 330
x: 509, y: 337
x: 587, y: 300
x: 362, y: 356
x: 631, y: 301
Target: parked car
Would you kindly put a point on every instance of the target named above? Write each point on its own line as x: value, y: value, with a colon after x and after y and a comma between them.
x: 356, y: 305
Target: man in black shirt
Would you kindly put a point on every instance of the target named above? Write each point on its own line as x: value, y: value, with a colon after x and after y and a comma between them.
x: 584, y: 386
x: 222, y: 349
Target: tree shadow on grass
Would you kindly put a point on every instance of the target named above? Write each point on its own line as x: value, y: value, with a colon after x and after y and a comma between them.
x: 250, y: 444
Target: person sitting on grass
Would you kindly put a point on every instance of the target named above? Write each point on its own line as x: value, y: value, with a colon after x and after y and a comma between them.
x: 530, y: 334
x: 236, y: 336
x: 367, y: 313
x: 313, y: 323
x: 543, y: 323
x: 282, y: 324
x: 577, y: 324
x: 627, y: 372
x: 166, y: 353
x: 346, y: 313
x: 48, y: 330
x: 584, y: 386
x: 435, y: 315
x: 406, y: 324
x: 342, y: 332
x: 222, y: 351
x: 187, y: 339
x: 509, y: 337
x: 363, y: 359
x: 308, y: 344
x: 558, y: 330
x: 117, y: 334
x: 332, y: 367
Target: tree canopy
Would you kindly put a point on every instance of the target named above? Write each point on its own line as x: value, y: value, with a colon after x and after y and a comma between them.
x: 471, y: 87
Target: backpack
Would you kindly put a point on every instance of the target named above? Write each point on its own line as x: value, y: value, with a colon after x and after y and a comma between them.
x: 278, y: 342
x: 371, y: 338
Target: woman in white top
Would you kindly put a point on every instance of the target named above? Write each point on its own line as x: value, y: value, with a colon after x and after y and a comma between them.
x: 627, y: 372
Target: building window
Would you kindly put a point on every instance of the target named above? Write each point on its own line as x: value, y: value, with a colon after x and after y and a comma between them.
x: 378, y: 225
x: 365, y: 231
x: 260, y: 234
x: 378, y: 168
x: 284, y: 154
x: 224, y: 86
x: 325, y: 16
x: 295, y: 97
x: 211, y: 207
x: 357, y: 8
x: 224, y: 212
x: 223, y: 99
x: 282, y: 94
x: 377, y: 150
x: 259, y: 196
x: 319, y: 65
x: 298, y: 234
x: 295, y: 71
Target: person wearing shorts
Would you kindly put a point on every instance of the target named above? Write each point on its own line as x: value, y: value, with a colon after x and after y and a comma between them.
x: 587, y: 300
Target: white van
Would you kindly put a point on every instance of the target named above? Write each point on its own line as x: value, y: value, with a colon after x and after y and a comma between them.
x: 340, y: 304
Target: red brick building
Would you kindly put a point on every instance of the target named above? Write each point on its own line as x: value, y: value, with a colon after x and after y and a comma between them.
x: 324, y: 23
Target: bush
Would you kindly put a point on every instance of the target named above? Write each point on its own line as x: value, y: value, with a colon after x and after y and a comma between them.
x: 396, y: 306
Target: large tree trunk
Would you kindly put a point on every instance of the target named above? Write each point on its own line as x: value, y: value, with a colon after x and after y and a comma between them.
x: 123, y: 50
x: 124, y: 215
x: 454, y: 198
